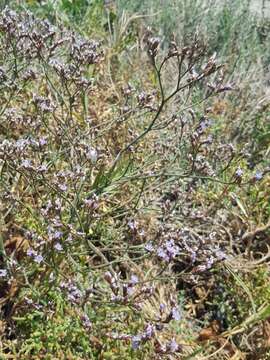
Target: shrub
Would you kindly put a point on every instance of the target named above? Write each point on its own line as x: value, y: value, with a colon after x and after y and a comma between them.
x: 118, y: 191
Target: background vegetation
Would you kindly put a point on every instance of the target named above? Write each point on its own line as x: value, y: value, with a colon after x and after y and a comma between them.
x: 134, y: 180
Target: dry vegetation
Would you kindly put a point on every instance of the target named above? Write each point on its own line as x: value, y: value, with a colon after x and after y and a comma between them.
x: 134, y: 180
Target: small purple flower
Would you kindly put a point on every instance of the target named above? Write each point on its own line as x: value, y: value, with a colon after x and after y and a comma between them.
x: 176, y: 314
x: 130, y: 290
x: 117, y: 298
x: 202, y: 127
x: 149, y: 332
x: 149, y: 247
x: 57, y: 234
x: 135, y: 341
x: 132, y: 225
x: 173, y: 346
x: 209, y: 139
x: 42, y: 141
x: 162, y: 254
x: 162, y: 308
x: 58, y: 247
x: 88, y: 202
x: 86, y: 322
x: 62, y: 187
x: 30, y: 252
x: 69, y: 239
x: 26, y: 164
x: 92, y: 155
x: 239, y: 172
x: 162, y: 348
x: 210, y: 262
x: 74, y: 294
x: 3, y: 273
x: 220, y: 254
x: 133, y: 280
x: 28, y: 301
x: 258, y: 176
x: 42, y: 168
x: 58, y: 203
x: 193, y: 256
x: 38, y: 259
x: 172, y: 249
x: 201, y: 268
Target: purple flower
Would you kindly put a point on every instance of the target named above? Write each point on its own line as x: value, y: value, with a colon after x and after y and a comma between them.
x: 62, y: 187
x: 210, y: 262
x: 130, y: 290
x: 57, y: 234
x: 149, y: 247
x: 117, y: 298
x: 69, y: 239
x: 92, y: 155
x: 58, y: 203
x: 28, y: 301
x: 201, y: 268
x: 133, y: 280
x: 135, y: 341
x: 193, y: 256
x: 149, y: 332
x: 3, y: 273
x: 38, y: 258
x: 239, y: 172
x: 86, y: 322
x: 26, y: 164
x: 209, y: 139
x: 42, y: 141
x: 30, y: 252
x: 42, y: 168
x: 172, y: 249
x: 220, y: 254
x: 162, y: 307
x: 258, y: 176
x: 162, y: 254
x: 168, y: 251
x: 58, y: 247
x: 132, y: 225
x: 172, y: 346
x: 74, y: 294
x: 176, y: 314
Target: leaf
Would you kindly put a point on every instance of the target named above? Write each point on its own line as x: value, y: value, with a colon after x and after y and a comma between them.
x: 240, y: 205
x: 210, y: 332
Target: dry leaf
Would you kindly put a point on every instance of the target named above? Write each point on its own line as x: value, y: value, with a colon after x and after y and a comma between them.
x: 210, y: 332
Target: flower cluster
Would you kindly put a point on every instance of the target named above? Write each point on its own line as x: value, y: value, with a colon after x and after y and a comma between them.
x: 118, y: 184
x: 73, y: 293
